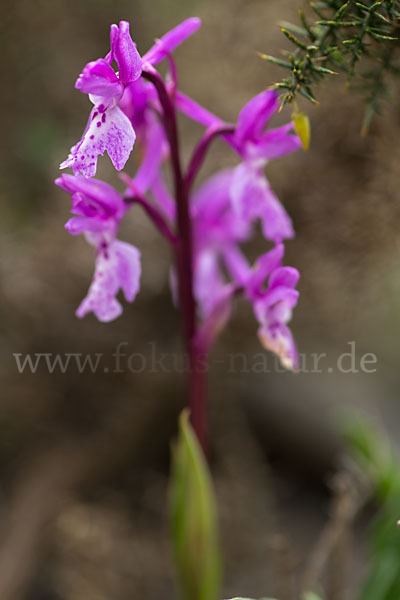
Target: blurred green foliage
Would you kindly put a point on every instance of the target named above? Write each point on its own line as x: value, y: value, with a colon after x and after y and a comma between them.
x: 311, y: 596
x: 380, y: 462
x: 194, y: 518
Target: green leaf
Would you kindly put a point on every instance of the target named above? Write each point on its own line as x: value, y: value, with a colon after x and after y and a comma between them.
x: 342, y: 10
x: 293, y: 39
x: 380, y: 36
x: 194, y: 518
x: 324, y: 70
x: 276, y: 61
x: 307, y: 95
x: 337, y: 23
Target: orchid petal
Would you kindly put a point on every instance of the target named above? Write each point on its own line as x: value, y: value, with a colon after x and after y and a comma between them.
x: 255, y: 114
x: 214, y: 220
x: 79, y: 225
x: 162, y: 196
x: 209, y: 283
x: 216, y: 320
x: 100, y: 298
x: 155, y: 148
x: 124, y: 52
x: 99, y: 78
x: 95, y: 190
x: 137, y: 98
x: 264, y: 266
x: 168, y: 42
x: 279, y: 340
x: 117, y: 267
x: 213, y: 195
x: 284, y: 276
x: 274, y: 143
x: 236, y: 264
x: 129, y: 268
x: 276, y: 305
x: 195, y: 111
x: 252, y: 198
x: 111, y: 131
x: 276, y: 223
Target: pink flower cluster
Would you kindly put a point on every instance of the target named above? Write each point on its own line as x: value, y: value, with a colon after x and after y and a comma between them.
x: 131, y: 105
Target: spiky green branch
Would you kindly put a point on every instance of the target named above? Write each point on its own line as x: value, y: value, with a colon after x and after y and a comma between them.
x: 360, y: 39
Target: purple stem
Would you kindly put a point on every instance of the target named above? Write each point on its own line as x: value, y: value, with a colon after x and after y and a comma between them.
x: 155, y: 215
x: 202, y: 148
x: 184, y: 263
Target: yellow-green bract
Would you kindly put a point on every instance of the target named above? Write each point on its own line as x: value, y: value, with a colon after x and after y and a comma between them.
x: 193, y: 518
x: 302, y: 127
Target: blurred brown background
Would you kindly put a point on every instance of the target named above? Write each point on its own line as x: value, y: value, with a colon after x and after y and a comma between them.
x: 84, y: 457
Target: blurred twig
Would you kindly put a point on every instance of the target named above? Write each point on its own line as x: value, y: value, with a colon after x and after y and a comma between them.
x: 347, y: 501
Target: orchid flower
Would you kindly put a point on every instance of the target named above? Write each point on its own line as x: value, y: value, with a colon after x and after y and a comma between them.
x: 251, y: 194
x: 270, y: 288
x: 108, y: 128
x: 98, y: 209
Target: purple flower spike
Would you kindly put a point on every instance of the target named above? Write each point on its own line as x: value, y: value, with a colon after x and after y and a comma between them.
x: 211, y: 268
